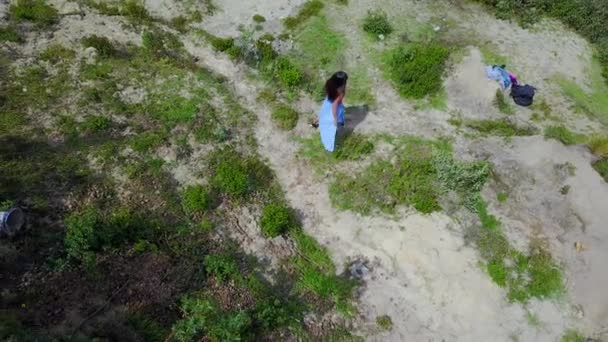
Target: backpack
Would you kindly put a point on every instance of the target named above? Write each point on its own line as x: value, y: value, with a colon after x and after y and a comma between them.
x: 523, y: 95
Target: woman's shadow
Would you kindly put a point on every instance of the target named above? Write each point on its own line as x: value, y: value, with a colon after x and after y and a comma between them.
x: 354, y: 116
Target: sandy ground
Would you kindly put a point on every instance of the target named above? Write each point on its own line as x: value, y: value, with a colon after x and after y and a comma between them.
x: 421, y: 271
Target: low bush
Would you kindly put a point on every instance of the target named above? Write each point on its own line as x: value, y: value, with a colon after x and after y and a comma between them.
x: 276, y: 220
x: 376, y: 23
x: 417, y: 69
x: 287, y: 73
x: 56, y: 53
x: 8, y: 34
x: 384, y: 322
x: 136, y: 12
x: 196, y: 199
x: 231, y: 178
x: 285, y: 117
x: 36, y: 11
x: 502, y: 104
x: 97, y: 123
x: 222, y: 266
x: 103, y: 45
x: 354, y: 147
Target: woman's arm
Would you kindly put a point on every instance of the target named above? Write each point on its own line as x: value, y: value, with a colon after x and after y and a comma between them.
x: 334, y: 106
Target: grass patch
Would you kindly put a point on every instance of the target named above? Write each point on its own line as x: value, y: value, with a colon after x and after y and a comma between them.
x: 573, y: 336
x: 563, y: 134
x: 285, y: 117
x: 417, y: 69
x: 502, y: 128
x: 56, y: 53
x: 8, y: 34
x: 276, y: 220
x: 594, y: 103
x: 103, y: 45
x: 259, y: 19
x: 348, y: 147
x: 136, y: 12
x: 598, y: 144
x: 35, y: 11
x: 359, y: 89
x: 601, y: 167
x: 309, y: 9
x: 501, y: 103
x: 196, y: 199
x: 376, y: 24
x: 384, y: 322
x: 490, y: 57
x: 502, y: 197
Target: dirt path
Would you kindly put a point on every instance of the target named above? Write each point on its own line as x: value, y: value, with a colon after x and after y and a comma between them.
x: 422, y: 274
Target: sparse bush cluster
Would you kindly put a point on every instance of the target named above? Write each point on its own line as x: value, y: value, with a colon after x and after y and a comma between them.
x: 9, y: 34
x: 501, y: 127
x: 285, y: 117
x: 237, y: 176
x: 196, y: 199
x: 417, y: 69
x: 376, y: 23
x: 563, y: 134
x: 276, y: 220
x: 103, y: 45
x: 36, y: 11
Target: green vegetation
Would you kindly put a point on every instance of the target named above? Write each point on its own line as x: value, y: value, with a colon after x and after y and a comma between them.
x: 8, y: 34
x: 348, y: 147
x: 103, y: 45
x: 501, y: 103
x: 586, y: 17
x: 595, y: 102
x: 285, y: 117
x: 598, y: 144
x: 573, y: 336
x: 417, y: 69
x: 502, y: 197
x: 563, y: 134
x: 36, y: 11
x: 422, y: 172
x: 376, y: 23
x: 196, y: 199
x: 384, y: 322
x: 490, y: 57
x: 136, y: 12
x: 533, y: 319
x: 276, y: 220
x: 359, y: 89
x: 309, y: 9
x: 502, y: 128
x: 258, y: 18
x: 601, y: 167
x: 319, y: 46
x: 56, y: 53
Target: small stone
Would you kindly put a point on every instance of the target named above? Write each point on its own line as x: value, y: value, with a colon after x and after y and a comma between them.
x: 90, y: 55
x: 579, y: 246
x: 381, y: 37
x: 436, y: 28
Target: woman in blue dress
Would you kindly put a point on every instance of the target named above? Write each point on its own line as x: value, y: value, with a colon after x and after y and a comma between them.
x: 331, y: 114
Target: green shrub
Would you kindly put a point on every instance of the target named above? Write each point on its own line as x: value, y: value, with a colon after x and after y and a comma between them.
x: 136, y: 12
x: 572, y: 335
x: 376, y: 23
x: 309, y: 9
x: 601, y: 167
x: 276, y: 220
x: 196, y: 199
x: 56, y: 53
x: 146, y: 141
x: 417, y: 69
x: 285, y: 117
x: 204, y: 320
x: 81, y: 232
x: 222, y: 44
x: 97, y: 123
x: 287, y: 73
x: 180, y: 23
x: 222, y: 266
x: 561, y: 133
x: 258, y: 18
x: 8, y: 34
x: 384, y: 322
x: 36, y: 11
x: 231, y: 178
x: 354, y: 147
x: 103, y: 45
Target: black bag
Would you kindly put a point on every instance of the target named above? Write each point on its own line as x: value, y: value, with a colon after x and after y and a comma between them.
x: 523, y: 95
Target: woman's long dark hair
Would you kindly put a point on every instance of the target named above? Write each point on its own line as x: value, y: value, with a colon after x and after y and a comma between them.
x: 334, y: 83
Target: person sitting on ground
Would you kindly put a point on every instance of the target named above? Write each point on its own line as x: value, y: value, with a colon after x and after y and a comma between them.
x: 331, y: 114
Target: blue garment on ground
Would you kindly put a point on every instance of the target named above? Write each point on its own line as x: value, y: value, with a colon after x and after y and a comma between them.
x: 499, y: 74
x: 326, y: 124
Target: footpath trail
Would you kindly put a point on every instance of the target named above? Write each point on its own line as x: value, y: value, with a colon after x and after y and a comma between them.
x: 420, y: 271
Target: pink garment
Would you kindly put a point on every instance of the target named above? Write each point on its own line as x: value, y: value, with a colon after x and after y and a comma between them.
x: 513, y: 78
